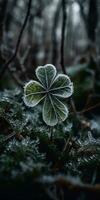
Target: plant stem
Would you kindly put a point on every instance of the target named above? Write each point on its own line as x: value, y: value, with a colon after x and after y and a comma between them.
x: 73, y: 107
x: 51, y: 133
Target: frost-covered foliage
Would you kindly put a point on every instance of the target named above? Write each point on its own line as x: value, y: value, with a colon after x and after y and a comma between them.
x: 53, y: 89
x: 20, y: 159
x: 28, y: 155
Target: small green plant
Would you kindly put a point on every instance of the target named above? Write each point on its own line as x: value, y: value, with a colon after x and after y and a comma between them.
x: 53, y: 90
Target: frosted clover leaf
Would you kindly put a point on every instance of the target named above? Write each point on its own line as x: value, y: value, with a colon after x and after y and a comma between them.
x: 52, y: 89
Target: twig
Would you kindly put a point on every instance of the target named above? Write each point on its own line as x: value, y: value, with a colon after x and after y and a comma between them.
x: 19, y: 40
x: 9, y: 136
x: 90, y: 108
x: 71, y: 184
x: 64, y: 17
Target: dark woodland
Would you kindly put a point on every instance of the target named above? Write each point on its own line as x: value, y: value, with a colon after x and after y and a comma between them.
x: 38, y: 161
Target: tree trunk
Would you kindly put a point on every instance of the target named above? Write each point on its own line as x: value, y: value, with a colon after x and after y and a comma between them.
x: 92, y: 20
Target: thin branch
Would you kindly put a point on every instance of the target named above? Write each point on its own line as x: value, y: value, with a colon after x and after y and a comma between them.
x: 54, y: 33
x: 9, y: 136
x: 64, y: 17
x: 90, y: 108
x: 71, y: 184
x: 19, y: 40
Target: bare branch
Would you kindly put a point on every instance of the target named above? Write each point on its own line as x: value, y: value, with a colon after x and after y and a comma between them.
x: 18, y: 42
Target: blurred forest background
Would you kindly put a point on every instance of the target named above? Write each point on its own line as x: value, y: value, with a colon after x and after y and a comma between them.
x: 65, y: 33
x: 41, y: 37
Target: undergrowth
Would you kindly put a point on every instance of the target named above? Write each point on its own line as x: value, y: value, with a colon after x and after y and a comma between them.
x: 27, y: 155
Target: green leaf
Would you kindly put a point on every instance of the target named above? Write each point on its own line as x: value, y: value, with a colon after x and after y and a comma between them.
x: 53, y: 89
x: 62, y: 86
x: 33, y: 93
x: 46, y: 74
x: 54, y: 111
